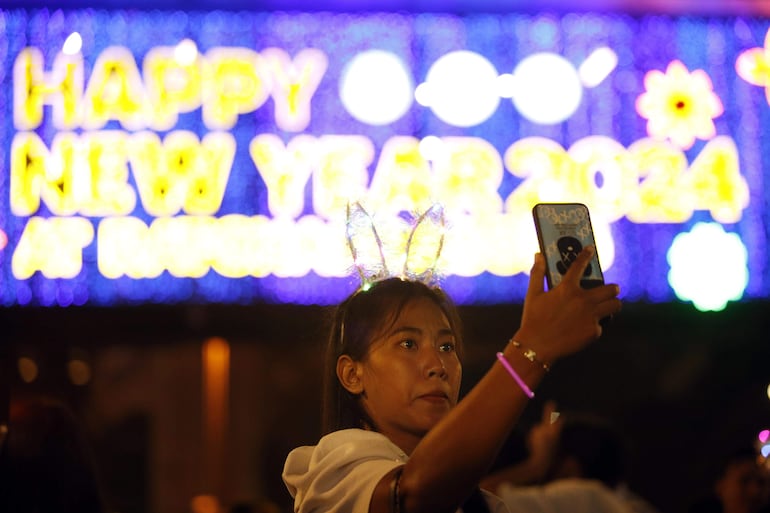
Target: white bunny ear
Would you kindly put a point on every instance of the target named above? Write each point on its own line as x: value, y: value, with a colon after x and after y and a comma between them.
x: 424, y: 245
x: 365, y: 245
x: 419, y: 252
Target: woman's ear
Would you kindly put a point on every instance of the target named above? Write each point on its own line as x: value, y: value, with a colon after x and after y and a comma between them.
x: 349, y: 374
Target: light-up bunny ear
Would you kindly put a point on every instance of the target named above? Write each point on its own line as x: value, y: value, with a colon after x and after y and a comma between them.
x: 419, y: 253
x: 424, y: 245
x: 365, y: 245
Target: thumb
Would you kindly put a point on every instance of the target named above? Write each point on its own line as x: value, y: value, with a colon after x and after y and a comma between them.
x: 536, y: 276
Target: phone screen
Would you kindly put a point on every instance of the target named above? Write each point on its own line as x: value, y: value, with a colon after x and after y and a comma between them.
x: 563, y: 230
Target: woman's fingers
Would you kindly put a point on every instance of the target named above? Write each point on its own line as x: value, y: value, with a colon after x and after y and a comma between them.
x: 536, y: 276
x: 569, y: 313
x: 608, y: 308
x: 578, y: 267
x: 605, y: 297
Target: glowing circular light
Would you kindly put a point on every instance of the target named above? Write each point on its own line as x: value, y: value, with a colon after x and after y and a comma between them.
x: 547, y: 88
x: 376, y: 88
x: 73, y: 44
x: 765, y: 451
x: 79, y: 372
x: 764, y: 435
x: 205, y: 504
x: 27, y: 369
x: 461, y: 89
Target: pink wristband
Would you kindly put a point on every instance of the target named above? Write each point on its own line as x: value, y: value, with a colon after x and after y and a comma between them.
x: 527, y: 391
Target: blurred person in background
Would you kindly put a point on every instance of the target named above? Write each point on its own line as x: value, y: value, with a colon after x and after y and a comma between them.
x: 46, y: 463
x: 574, y: 463
x: 742, y: 486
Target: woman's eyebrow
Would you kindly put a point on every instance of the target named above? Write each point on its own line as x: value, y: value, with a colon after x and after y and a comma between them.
x: 401, y: 330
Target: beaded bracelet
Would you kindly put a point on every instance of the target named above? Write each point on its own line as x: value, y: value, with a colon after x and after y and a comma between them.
x: 527, y: 391
x: 530, y: 355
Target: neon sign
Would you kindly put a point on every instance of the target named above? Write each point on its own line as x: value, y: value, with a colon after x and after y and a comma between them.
x: 208, y: 167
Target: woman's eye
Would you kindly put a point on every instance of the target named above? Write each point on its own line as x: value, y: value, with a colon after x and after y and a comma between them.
x: 408, y: 343
x: 447, y: 347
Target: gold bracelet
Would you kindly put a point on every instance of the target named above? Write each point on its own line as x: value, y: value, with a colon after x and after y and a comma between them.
x: 530, y: 355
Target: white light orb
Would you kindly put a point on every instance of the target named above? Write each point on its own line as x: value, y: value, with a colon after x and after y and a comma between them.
x: 432, y: 148
x: 186, y: 52
x: 547, y: 88
x: 597, y: 66
x: 376, y: 87
x: 73, y: 44
x: 461, y: 89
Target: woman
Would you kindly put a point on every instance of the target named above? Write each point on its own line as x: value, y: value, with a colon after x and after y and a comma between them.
x: 397, y: 439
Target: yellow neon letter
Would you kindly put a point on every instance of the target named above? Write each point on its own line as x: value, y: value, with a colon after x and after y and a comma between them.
x: 717, y: 182
x: 53, y: 246
x: 509, y: 241
x: 604, y: 176
x: 468, y: 175
x: 85, y: 175
x: 39, y: 174
x: 184, y: 244
x: 546, y: 169
x: 207, y: 178
x: 402, y: 179
x: 103, y: 188
x: 294, y: 83
x: 161, y: 192
x: 172, y: 86
x: 124, y: 247
x: 237, y: 247
x: 285, y: 170
x: 236, y: 81
x: 182, y: 171
x: 664, y: 196
x: 115, y: 92
x: 341, y: 172
x: 62, y: 88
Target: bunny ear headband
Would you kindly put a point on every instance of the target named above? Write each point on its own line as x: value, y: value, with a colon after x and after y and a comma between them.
x: 415, y: 257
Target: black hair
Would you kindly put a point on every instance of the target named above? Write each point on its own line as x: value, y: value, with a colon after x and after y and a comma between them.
x: 597, y: 446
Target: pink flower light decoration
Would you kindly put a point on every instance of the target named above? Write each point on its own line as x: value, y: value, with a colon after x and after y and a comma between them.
x: 679, y: 105
x: 753, y: 66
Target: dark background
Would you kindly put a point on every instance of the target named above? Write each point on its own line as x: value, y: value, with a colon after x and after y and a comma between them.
x: 685, y: 387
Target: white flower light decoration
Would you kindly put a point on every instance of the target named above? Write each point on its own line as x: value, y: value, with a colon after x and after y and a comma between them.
x: 708, y: 267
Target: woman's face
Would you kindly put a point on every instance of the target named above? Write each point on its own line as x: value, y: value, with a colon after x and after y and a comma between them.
x: 411, y: 374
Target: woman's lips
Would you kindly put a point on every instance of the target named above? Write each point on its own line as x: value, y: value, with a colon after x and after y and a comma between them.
x: 435, y: 397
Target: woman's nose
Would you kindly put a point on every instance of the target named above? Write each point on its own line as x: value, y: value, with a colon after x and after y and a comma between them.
x: 434, y: 364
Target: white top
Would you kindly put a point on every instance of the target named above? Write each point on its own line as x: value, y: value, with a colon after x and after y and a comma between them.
x: 340, y: 473
x: 571, y: 494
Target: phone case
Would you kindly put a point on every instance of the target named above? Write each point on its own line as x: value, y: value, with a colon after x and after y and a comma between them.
x: 563, y: 230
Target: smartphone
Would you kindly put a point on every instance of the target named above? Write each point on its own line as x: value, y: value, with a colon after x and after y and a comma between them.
x: 563, y: 230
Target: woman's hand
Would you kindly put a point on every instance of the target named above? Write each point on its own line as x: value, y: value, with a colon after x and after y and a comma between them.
x: 564, y: 320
